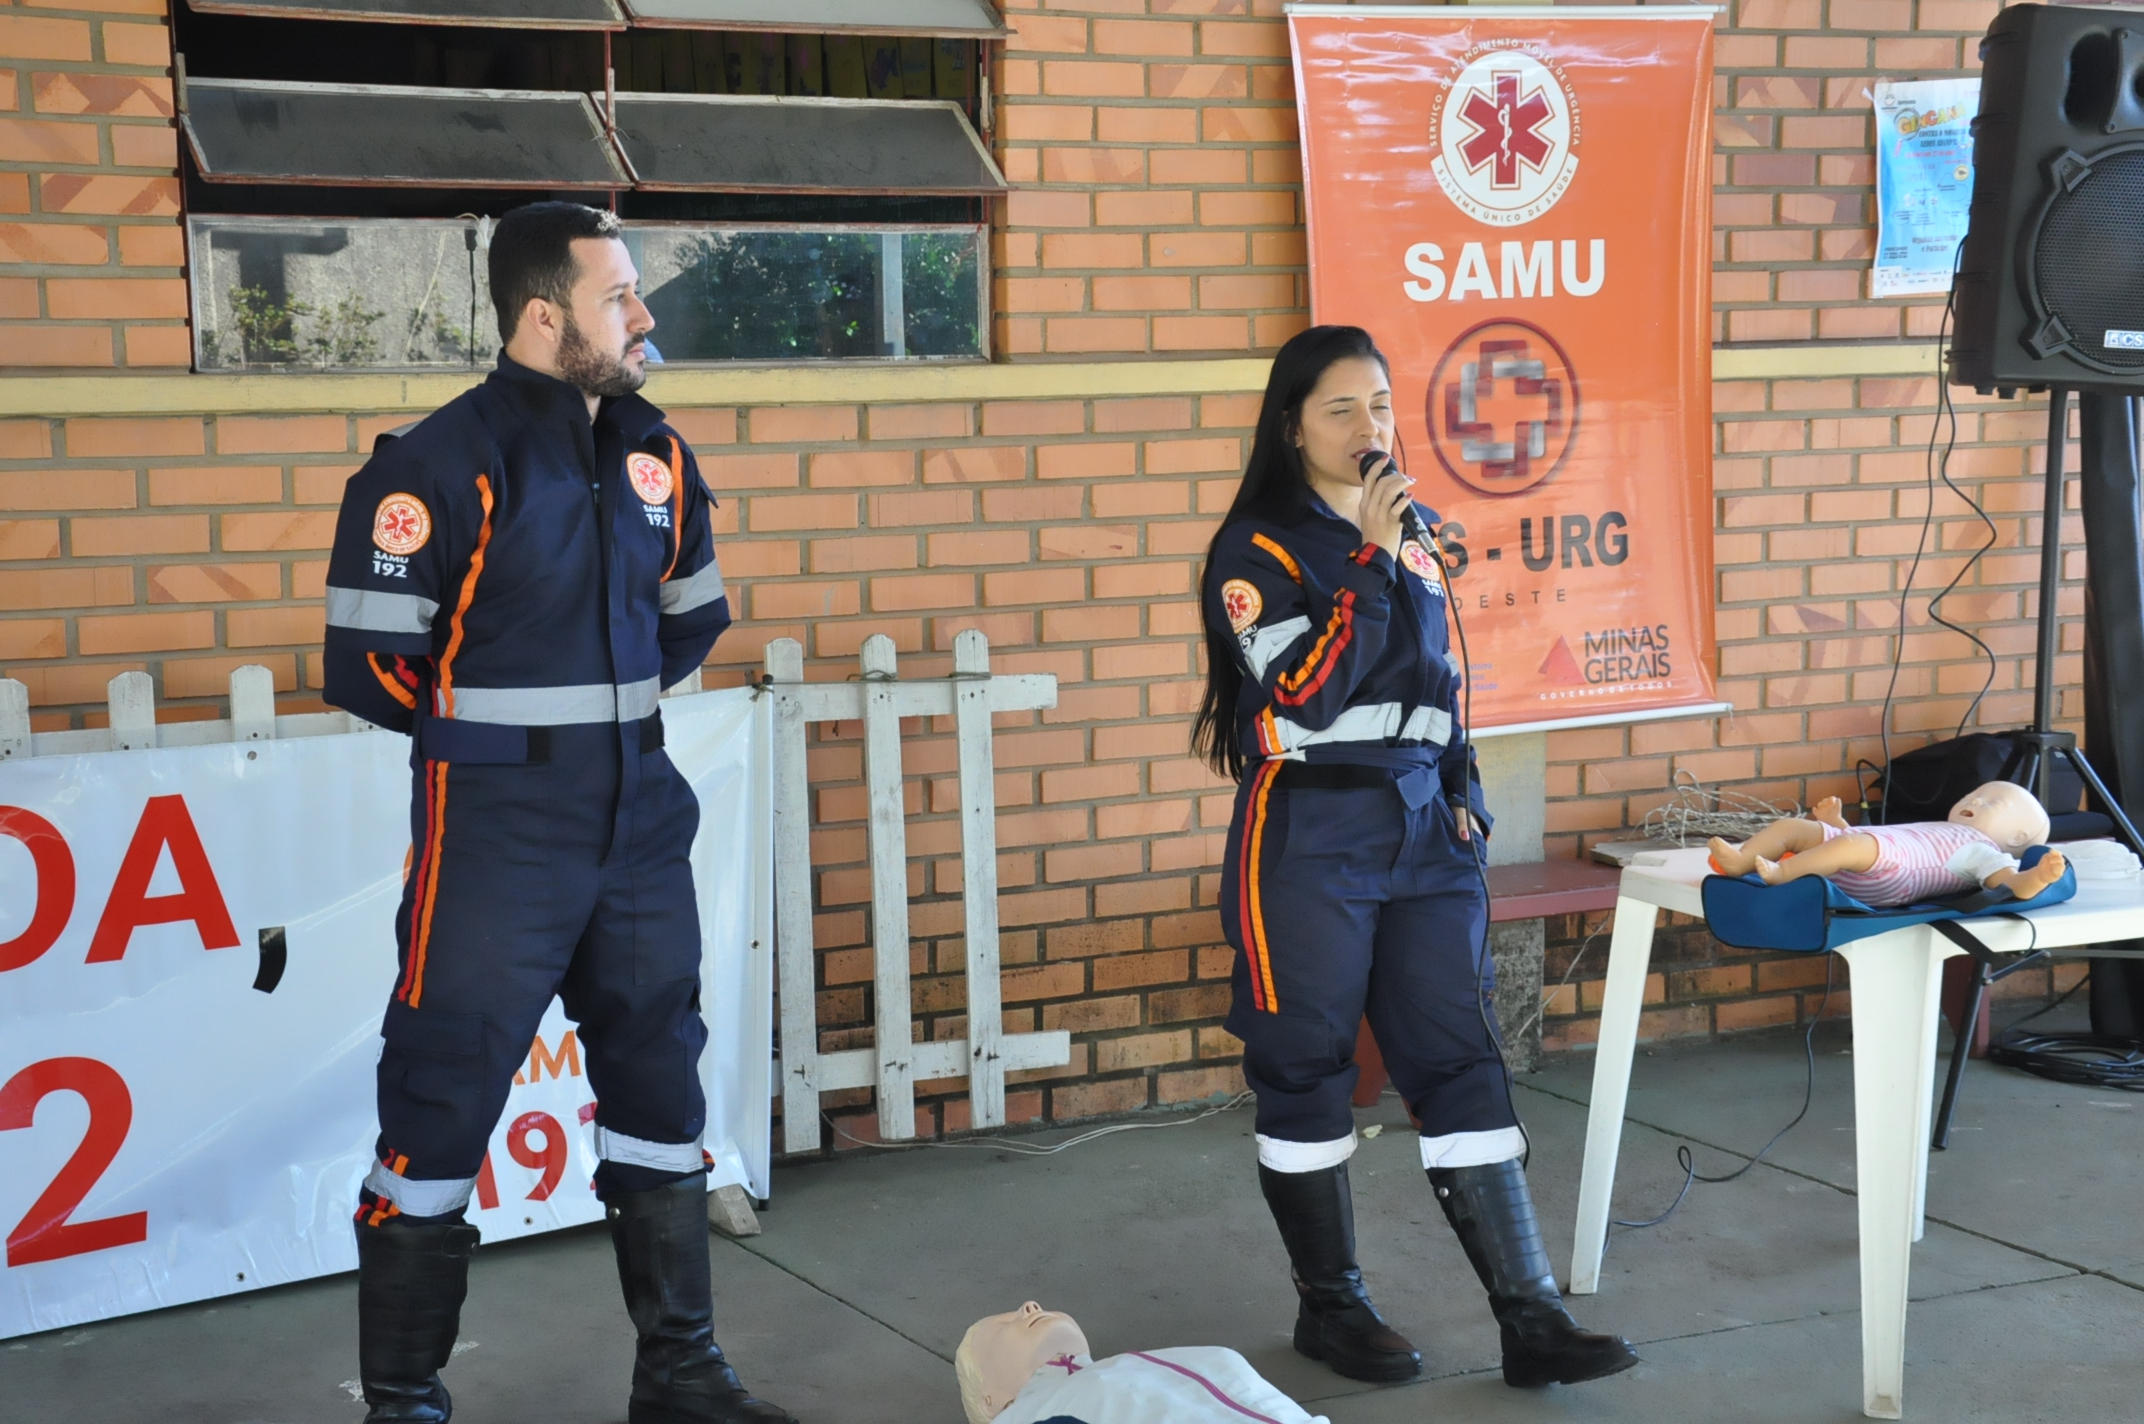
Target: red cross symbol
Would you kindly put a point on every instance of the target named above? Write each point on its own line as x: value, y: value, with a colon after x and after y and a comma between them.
x: 400, y: 523
x: 1507, y: 130
x: 1503, y: 407
x: 1506, y: 387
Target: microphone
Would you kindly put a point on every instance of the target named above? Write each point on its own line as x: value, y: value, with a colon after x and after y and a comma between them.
x: 1410, y: 522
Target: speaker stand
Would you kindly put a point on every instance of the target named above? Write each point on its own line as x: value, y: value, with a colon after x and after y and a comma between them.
x: 2045, y: 746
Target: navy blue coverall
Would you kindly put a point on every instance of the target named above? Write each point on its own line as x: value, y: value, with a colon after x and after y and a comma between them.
x: 1346, y: 889
x: 513, y: 586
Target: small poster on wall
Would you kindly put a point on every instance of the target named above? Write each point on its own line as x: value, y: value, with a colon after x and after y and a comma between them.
x: 1924, y: 182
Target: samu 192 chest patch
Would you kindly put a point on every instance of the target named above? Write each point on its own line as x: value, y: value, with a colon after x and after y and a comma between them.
x: 1423, y: 565
x: 650, y: 478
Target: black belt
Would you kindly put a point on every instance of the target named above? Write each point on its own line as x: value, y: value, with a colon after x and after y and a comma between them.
x: 449, y: 739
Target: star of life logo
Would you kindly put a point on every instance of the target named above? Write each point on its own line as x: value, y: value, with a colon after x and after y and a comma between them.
x: 1506, y: 132
x: 1418, y: 561
x: 650, y: 478
x: 401, y: 525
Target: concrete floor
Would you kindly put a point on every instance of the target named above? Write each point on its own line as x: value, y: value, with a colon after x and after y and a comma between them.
x: 2028, y: 1290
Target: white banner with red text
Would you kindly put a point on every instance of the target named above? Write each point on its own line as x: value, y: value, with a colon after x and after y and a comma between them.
x: 196, y: 948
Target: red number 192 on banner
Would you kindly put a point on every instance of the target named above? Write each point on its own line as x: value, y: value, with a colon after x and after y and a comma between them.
x: 45, y: 1233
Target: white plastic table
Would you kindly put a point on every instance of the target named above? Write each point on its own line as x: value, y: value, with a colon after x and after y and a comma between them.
x: 1896, y: 987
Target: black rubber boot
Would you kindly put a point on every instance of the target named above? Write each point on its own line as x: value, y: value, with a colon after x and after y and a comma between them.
x: 411, y: 1279
x: 679, y: 1374
x: 1493, y: 1213
x: 1334, y: 1321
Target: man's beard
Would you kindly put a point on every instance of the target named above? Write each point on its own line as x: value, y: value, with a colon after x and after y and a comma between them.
x: 593, y: 372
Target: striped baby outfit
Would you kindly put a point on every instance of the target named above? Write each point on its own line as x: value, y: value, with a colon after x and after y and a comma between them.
x: 1920, y: 862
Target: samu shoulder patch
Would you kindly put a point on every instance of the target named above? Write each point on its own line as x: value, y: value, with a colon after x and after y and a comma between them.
x: 401, y: 524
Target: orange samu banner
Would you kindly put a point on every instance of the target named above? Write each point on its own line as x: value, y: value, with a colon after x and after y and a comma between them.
x: 1516, y: 201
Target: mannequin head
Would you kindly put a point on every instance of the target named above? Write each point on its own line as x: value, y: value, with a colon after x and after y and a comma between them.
x: 1000, y: 1353
x: 2005, y: 813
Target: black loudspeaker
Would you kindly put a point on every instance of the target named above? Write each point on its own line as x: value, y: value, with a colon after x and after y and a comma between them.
x: 2050, y: 287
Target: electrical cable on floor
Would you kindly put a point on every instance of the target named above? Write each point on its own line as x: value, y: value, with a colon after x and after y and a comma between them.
x: 1026, y: 1149
x: 1685, y: 1160
x: 2088, y: 1059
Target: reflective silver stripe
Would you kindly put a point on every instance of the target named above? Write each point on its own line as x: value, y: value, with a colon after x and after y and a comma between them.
x: 1278, y: 1156
x: 1371, y: 723
x: 662, y: 1156
x: 1472, y: 1149
x: 1269, y: 643
x: 637, y: 699
x: 684, y: 595
x: 556, y: 706
x: 377, y: 612
x: 419, y: 1198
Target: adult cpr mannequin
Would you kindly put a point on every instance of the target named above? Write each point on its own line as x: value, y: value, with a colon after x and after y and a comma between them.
x: 1033, y: 1366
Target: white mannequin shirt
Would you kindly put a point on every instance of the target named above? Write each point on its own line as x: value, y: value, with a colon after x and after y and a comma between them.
x: 1191, y: 1385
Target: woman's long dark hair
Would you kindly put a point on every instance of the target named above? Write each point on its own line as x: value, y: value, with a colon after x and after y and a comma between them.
x: 1276, y: 489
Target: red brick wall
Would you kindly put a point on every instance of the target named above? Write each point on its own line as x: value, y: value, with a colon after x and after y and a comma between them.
x: 1794, y: 168
x: 1161, y: 205
x: 1158, y: 217
x: 90, y: 251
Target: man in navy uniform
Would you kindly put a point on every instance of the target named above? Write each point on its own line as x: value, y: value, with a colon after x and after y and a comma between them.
x: 514, y: 580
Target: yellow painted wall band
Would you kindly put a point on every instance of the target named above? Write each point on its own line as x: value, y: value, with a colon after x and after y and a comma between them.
x: 186, y: 394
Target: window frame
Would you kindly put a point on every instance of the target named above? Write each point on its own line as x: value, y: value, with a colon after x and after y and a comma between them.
x: 200, y: 295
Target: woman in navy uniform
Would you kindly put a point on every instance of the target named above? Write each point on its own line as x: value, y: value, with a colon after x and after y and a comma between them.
x: 1352, y: 883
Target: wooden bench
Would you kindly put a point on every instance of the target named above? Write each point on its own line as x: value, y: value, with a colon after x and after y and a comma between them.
x: 1516, y: 892
x: 1554, y: 887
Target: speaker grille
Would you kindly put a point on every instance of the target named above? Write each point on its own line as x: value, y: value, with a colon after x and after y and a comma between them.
x: 2089, y: 260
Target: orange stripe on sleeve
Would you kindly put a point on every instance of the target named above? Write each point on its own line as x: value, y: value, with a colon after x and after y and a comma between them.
x: 476, y: 569
x: 1295, y: 688
x: 1287, y: 560
x: 677, y: 508
x: 394, y: 687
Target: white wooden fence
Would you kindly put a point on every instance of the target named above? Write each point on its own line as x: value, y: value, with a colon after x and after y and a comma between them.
x: 879, y: 700
x: 131, y: 697
x: 892, y: 1066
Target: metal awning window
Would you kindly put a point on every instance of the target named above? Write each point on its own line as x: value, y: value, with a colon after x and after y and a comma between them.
x: 513, y: 14
x: 735, y: 143
x: 951, y: 19
x: 266, y: 131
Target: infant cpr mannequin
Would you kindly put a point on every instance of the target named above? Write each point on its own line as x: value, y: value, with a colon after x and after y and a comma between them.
x: 1032, y: 1366
x: 1886, y: 866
